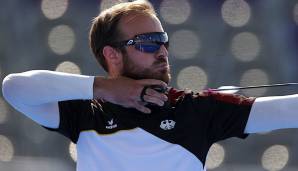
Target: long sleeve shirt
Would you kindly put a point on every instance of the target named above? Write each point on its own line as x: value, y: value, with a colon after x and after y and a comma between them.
x: 175, y: 138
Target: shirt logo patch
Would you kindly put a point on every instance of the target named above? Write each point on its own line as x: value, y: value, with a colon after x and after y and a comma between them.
x: 111, y: 124
x: 167, y: 124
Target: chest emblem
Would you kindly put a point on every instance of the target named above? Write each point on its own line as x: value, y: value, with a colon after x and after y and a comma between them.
x: 111, y: 124
x: 167, y: 124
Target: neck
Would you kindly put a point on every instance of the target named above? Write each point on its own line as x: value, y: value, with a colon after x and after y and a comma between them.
x: 113, y: 74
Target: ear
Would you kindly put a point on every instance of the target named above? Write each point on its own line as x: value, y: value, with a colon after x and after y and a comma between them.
x: 112, y: 56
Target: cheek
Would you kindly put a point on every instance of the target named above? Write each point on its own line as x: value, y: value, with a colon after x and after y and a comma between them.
x: 142, y: 59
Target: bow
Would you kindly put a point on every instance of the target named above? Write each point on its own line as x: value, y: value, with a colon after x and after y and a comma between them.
x: 234, y: 89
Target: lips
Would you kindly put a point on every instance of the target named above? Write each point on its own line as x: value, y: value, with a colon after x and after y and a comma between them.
x: 163, y: 66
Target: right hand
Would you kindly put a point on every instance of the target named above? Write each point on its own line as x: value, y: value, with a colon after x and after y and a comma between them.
x: 126, y: 92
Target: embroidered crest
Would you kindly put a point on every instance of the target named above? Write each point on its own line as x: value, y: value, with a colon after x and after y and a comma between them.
x: 167, y: 124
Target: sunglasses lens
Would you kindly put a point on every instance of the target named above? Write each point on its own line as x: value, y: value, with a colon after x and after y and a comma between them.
x: 147, y: 47
x: 148, y: 42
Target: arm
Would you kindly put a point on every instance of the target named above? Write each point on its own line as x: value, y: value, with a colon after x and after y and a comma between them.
x: 271, y: 113
x: 36, y: 93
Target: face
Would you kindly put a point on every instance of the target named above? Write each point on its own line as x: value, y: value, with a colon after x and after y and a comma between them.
x: 141, y: 65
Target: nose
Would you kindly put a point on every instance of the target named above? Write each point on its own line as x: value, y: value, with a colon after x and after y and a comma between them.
x: 162, y: 52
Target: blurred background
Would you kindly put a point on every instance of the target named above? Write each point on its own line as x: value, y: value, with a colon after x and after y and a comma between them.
x: 213, y: 43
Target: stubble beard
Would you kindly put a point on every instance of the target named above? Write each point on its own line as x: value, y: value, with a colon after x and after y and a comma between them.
x: 131, y: 70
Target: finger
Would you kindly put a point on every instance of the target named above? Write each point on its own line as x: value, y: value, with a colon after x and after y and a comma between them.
x: 142, y: 108
x: 142, y: 103
x: 153, y: 82
x: 154, y: 100
x: 154, y: 93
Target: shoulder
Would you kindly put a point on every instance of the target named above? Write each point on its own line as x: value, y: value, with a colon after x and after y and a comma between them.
x: 176, y: 94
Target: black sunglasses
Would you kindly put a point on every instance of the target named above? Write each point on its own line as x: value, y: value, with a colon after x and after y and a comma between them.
x: 147, y: 42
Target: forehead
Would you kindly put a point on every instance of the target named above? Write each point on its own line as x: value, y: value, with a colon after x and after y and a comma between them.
x: 134, y: 24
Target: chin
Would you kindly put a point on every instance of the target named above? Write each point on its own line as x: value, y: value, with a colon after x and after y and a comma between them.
x: 164, y: 77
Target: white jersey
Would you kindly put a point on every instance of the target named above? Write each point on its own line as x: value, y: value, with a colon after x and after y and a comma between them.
x: 174, y: 138
x: 132, y: 150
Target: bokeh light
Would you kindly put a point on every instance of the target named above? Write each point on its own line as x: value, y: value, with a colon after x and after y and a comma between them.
x: 215, y: 157
x: 296, y: 13
x: 6, y: 149
x: 53, y: 9
x: 109, y: 3
x: 193, y: 78
x: 245, y: 46
x: 73, y: 151
x: 68, y: 67
x: 175, y: 11
x: 3, y: 111
x: 184, y: 44
x: 254, y: 77
x: 61, y: 39
x: 275, y: 158
x: 236, y: 13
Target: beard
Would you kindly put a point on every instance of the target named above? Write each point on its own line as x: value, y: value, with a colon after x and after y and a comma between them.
x: 131, y: 70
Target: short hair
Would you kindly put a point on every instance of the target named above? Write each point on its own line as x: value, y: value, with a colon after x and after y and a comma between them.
x: 104, y: 29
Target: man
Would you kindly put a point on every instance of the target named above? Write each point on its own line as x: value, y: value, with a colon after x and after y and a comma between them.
x: 126, y: 121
